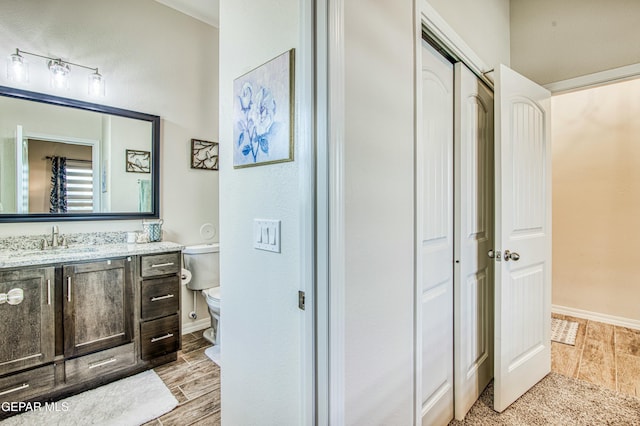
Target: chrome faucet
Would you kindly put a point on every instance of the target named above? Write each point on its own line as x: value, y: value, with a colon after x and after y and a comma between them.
x: 54, y: 236
x: 56, y: 240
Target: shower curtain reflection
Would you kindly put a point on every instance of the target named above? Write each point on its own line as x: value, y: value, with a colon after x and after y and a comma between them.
x: 58, y: 197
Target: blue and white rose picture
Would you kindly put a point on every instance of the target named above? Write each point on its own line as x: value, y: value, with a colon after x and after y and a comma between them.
x: 262, y: 113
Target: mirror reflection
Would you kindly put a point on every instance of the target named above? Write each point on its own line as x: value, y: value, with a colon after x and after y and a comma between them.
x: 60, y: 160
x: 58, y: 178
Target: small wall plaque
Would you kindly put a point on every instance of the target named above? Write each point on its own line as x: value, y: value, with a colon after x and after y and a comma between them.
x: 138, y: 161
x: 204, y: 154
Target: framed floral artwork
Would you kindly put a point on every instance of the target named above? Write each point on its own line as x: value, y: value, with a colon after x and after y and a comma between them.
x: 263, y: 113
x: 138, y: 161
x: 204, y: 155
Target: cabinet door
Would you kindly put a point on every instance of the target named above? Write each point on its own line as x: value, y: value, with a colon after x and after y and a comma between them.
x: 27, y: 325
x: 97, y: 303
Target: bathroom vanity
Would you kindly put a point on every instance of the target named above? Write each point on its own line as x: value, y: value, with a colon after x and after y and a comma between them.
x: 73, y: 319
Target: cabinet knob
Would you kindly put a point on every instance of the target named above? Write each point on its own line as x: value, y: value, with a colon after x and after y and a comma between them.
x: 15, y: 296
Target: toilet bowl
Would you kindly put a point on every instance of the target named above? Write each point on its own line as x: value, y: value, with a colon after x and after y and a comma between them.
x: 212, y: 296
x: 203, y: 263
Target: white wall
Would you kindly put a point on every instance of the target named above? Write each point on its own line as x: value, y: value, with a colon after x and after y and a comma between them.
x: 156, y: 60
x: 124, y: 187
x: 483, y: 25
x: 260, y: 319
x: 556, y: 40
x: 379, y: 194
x: 379, y: 231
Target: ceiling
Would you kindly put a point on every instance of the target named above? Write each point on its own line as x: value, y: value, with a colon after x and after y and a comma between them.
x: 203, y: 10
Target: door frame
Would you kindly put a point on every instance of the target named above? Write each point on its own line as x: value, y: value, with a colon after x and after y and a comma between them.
x: 428, y: 20
x: 305, y: 77
x: 96, y: 147
x: 330, y: 214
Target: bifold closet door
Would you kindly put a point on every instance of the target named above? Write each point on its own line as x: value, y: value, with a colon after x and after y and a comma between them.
x: 434, y: 204
x: 473, y: 272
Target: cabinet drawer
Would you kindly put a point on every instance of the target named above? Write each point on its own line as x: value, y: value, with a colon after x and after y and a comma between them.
x: 160, y: 297
x: 153, y: 265
x: 159, y: 337
x: 99, y: 363
x: 22, y: 386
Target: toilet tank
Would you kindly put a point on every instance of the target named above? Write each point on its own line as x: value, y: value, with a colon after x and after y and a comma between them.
x: 203, y: 262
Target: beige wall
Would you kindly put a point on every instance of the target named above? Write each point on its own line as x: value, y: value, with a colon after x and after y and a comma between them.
x: 155, y: 60
x: 596, y: 200
x: 554, y: 40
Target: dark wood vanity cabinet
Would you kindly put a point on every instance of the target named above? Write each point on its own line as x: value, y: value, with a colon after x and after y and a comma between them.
x: 97, y: 305
x: 26, y: 318
x: 69, y: 327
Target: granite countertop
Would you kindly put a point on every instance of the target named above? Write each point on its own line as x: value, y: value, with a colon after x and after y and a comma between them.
x: 17, y: 257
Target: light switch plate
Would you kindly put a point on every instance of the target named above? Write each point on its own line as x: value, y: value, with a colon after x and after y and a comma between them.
x: 266, y: 235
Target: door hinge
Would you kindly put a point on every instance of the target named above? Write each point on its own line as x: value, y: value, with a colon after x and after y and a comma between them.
x: 301, y: 300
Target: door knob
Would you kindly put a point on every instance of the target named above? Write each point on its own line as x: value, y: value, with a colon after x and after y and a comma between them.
x: 495, y: 255
x: 508, y: 255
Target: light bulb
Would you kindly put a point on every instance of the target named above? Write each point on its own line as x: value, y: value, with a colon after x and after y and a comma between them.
x: 59, y: 74
x: 96, y: 84
x: 17, y: 68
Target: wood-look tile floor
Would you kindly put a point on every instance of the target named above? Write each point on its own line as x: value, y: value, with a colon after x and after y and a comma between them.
x: 195, y: 382
x: 604, y: 354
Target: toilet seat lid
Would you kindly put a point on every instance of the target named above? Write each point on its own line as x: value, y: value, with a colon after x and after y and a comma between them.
x: 212, y: 293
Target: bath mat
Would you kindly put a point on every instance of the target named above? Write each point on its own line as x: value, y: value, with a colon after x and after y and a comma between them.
x: 214, y: 354
x: 564, y: 331
x: 131, y: 401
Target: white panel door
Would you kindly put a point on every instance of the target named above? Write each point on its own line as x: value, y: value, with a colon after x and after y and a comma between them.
x: 434, y: 203
x: 523, y: 236
x: 473, y: 295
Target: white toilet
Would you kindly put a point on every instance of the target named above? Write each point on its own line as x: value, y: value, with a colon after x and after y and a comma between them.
x: 203, y: 263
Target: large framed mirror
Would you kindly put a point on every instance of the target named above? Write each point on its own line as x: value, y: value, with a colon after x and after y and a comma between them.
x: 64, y: 159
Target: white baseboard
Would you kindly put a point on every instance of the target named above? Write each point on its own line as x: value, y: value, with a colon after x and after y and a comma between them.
x: 596, y: 316
x: 191, y: 326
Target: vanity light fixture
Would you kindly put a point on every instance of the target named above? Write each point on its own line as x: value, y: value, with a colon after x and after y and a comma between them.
x: 17, y: 70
